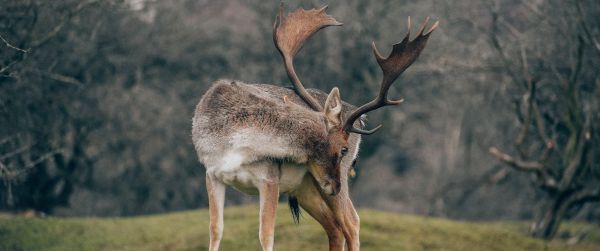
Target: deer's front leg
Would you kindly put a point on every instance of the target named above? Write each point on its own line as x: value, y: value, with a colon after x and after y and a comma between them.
x: 351, y: 226
x: 312, y: 202
x: 269, y: 198
x: 346, y: 215
x: 216, y: 200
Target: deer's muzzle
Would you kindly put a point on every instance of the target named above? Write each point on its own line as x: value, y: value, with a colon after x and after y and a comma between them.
x: 332, y: 187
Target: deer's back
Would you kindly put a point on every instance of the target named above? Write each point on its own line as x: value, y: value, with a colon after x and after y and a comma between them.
x: 253, y: 118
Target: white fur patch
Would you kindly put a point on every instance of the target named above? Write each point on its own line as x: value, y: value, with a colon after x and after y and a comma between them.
x: 260, y: 144
x: 231, y: 161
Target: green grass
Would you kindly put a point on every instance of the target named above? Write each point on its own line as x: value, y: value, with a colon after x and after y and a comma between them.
x: 189, y: 231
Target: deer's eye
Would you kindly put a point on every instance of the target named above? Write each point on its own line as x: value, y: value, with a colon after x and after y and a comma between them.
x: 344, y: 151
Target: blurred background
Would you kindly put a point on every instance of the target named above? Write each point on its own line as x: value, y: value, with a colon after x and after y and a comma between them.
x: 96, y: 101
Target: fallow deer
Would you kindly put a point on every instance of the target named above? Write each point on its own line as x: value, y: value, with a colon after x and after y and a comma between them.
x: 266, y: 140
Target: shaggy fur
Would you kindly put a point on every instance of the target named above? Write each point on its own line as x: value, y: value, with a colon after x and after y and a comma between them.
x: 262, y: 139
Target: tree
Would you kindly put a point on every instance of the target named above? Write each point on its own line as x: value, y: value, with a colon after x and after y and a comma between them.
x: 558, y: 108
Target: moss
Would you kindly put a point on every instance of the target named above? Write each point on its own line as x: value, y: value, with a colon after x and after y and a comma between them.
x: 189, y: 231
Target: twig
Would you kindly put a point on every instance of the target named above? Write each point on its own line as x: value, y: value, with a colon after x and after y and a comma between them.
x: 529, y: 166
x: 62, y: 78
x: 498, y: 47
x: 38, y: 161
x: 586, y: 29
x: 56, y: 76
x: 514, y: 31
x: 15, y: 152
x: 63, y: 21
x: 11, y: 174
x: 7, y: 66
x: 6, y: 139
x: 9, y: 45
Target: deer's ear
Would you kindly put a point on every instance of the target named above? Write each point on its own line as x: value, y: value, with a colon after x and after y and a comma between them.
x: 333, y: 109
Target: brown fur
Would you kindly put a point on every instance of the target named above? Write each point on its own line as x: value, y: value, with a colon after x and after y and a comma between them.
x: 233, y: 105
x: 229, y: 106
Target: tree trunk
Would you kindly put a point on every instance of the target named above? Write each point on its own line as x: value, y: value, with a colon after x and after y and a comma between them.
x: 547, y: 225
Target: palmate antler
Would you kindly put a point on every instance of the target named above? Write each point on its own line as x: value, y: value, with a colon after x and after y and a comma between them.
x: 291, y: 31
x: 402, y: 56
x: 289, y: 34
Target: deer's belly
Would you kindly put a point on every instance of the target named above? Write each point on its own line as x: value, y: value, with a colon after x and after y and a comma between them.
x: 247, y: 178
x: 291, y: 177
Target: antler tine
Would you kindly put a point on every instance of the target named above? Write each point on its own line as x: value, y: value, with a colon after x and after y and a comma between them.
x: 402, y: 56
x: 289, y: 34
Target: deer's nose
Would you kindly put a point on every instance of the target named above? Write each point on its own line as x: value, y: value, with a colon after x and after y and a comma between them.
x: 332, y: 187
x: 336, y: 188
x: 328, y: 187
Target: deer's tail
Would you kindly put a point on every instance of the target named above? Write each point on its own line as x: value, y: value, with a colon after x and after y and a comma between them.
x: 294, y: 208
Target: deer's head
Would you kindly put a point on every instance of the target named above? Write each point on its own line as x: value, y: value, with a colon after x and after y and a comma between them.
x: 289, y: 34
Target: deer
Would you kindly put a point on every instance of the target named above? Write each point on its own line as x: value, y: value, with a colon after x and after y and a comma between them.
x: 267, y: 140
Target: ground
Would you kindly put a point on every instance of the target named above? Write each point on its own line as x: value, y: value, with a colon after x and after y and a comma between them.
x: 189, y: 231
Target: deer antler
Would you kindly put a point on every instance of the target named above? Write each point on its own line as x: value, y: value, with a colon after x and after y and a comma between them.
x: 402, y: 56
x: 289, y: 34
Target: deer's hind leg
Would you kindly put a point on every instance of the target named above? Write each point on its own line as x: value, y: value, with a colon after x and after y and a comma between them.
x: 216, y: 200
x: 311, y: 201
x: 268, y: 188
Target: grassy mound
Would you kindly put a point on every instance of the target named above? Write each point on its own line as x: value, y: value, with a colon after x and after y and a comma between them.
x: 189, y: 231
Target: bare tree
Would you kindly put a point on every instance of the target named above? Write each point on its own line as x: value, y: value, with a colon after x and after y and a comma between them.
x: 15, y: 163
x: 558, y: 112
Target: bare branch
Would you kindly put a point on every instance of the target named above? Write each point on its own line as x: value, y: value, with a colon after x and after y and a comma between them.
x: 9, y: 45
x: 496, y: 44
x: 528, y: 116
x: 546, y: 180
x: 576, y: 183
x: 586, y: 29
x: 62, y: 78
x: 530, y: 6
x: 528, y: 166
x: 39, y: 161
x: 4, y: 173
x: 559, y: 76
x: 575, y: 162
x: 577, y: 65
x: 15, y: 152
x: 56, y: 76
x: 64, y: 19
x: 7, y: 139
x: 12, y: 174
x: 514, y: 31
x: 587, y: 195
x: 3, y: 69
x: 539, y: 122
x: 524, y: 63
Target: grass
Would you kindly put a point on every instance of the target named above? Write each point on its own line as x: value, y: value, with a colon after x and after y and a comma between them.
x: 189, y: 231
